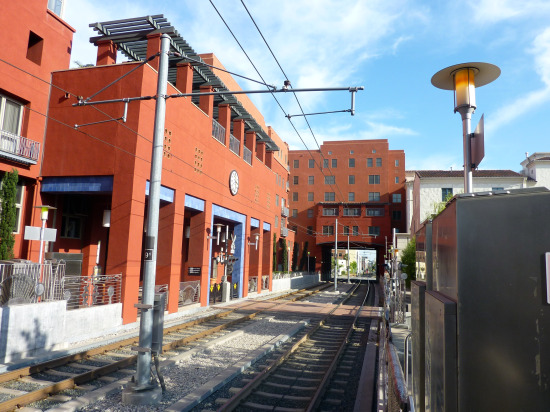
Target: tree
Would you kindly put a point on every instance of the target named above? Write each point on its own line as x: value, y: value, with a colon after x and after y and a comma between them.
x: 305, y: 256
x: 408, y: 258
x: 274, y: 252
x: 353, y: 267
x: 295, y: 252
x: 285, y: 254
x: 8, y: 215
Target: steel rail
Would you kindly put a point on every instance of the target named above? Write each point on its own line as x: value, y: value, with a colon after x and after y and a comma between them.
x: 236, y: 399
x: 330, y: 371
x: 79, y: 379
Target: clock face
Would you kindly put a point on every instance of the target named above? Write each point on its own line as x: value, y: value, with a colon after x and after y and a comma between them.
x: 234, y: 182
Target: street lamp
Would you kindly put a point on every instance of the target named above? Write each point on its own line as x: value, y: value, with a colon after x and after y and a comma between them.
x: 308, y: 262
x: 44, y: 217
x: 463, y: 79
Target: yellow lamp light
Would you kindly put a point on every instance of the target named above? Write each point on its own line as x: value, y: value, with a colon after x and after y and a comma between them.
x: 465, y: 89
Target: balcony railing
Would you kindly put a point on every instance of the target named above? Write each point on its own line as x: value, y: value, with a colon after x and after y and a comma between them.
x: 19, y: 145
x: 284, y: 232
x: 284, y: 211
x: 218, y: 131
x: 247, y: 155
x: 234, y: 145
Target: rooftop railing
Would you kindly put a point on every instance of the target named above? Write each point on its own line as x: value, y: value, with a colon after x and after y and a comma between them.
x: 218, y: 131
x: 234, y: 145
x: 247, y: 155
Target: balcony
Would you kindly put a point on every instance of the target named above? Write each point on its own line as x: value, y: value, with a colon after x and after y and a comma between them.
x: 218, y: 132
x: 19, y: 148
x: 234, y: 145
x: 284, y: 211
x: 247, y: 155
x: 284, y: 232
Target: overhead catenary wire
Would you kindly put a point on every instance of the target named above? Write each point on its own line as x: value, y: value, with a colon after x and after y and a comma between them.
x: 297, y: 100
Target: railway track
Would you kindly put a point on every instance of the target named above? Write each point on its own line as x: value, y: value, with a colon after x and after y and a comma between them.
x: 68, y: 377
x: 316, y: 372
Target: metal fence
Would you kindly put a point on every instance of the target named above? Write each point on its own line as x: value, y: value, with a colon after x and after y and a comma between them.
x: 252, y: 284
x: 29, y: 282
x: 95, y: 290
x: 265, y: 282
x: 190, y: 292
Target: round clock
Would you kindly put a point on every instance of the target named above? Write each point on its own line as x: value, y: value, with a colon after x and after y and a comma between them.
x: 233, y: 182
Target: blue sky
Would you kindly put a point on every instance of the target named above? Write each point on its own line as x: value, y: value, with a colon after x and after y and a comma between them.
x: 392, y: 48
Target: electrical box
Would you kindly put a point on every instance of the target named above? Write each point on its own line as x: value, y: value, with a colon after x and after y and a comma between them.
x: 489, y: 289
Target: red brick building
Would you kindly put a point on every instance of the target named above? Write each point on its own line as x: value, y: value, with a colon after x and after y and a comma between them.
x: 360, y: 183
x: 35, y: 41
x: 96, y: 167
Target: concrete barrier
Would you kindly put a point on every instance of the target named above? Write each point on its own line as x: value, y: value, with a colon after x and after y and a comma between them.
x: 33, y: 330
x: 296, y: 282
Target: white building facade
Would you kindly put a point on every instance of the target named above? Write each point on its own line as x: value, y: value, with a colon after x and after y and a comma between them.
x: 427, y: 189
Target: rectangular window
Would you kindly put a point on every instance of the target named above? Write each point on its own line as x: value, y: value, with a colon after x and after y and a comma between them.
x: 352, y: 211
x: 330, y: 211
x: 310, y: 230
x: 494, y: 189
x: 446, y: 193
x: 11, y: 114
x: 325, y: 163
x: 396, y: 198
x: 34, y: 48
x: 311, y: 163
x: 351, y: 179
x: 346, y: 230
x: 296, y: 164
x: 294, y: 212
x: 355, y: 230
x: 351, y: 162
x: 351, y: 196
x: 328, y: 230
x: 374, y: 179
x: 294, y: 196
x: 396, y: 179
x: 375, y: 212
x: 330, y: 180
x: 56, y: 6
x: 378, y: 162
x: 334, y: 163
x: 311, y: 180
x: 374, y: 196
x: 396, y: 215
x: 396, y: 162
x: 330, y: 197
x: 374, y: 230
x: 276, y: 221
x: 310, y: 213
x: 369, y: 162
x: 295, y: 180
x: 276, y: 200
x: 310, y: 196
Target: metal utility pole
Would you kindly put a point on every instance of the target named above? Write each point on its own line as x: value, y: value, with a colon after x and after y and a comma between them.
x: 336, y: 257
x: 150, y: 255
x: 348, y: 256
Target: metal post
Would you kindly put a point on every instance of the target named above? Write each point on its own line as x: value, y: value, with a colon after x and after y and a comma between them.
x: 336, y: 257
x: 42, y: 229
x: 466, y: 114
x: 348, y: 257
x: 150, y: 258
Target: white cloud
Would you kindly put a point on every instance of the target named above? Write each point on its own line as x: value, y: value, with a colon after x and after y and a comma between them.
x: 493, y: 11
x: 527, y: 102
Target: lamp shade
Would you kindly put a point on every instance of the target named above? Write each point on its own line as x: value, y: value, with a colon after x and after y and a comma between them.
x: 465, y: 89
x: 463, y: 78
